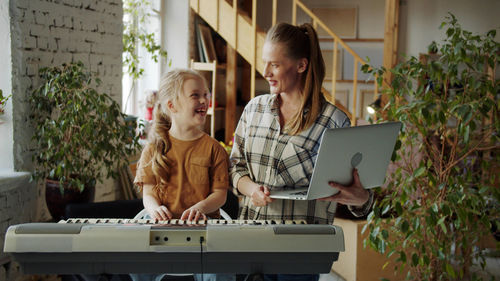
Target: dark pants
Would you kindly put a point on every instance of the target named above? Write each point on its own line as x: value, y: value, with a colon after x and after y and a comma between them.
x: 291, y: 277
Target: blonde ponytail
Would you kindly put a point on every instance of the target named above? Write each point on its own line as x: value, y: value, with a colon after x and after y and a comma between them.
x: 161, y: 143
x: 302, y: 42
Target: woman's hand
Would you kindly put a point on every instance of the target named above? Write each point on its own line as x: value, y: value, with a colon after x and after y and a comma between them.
x: 193, y: 214
x: 353, y: 195
x: 260, y: 196
x: 160, y: 213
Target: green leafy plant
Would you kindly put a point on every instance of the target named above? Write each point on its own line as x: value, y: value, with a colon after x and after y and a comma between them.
x: 80, y: 135
x: 3, y: 102
x: 443, y: 197
x: 136, y: 13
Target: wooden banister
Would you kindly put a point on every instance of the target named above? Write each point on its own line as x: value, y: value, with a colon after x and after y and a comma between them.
x: 354, y: 92
x: 326, y: 28
x: 254, y: 47
x: 249, y: 47
x: 334, y: 70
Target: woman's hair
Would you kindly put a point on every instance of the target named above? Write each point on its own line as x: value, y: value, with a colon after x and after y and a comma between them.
x: 171, y: 86
x: 302, y: 42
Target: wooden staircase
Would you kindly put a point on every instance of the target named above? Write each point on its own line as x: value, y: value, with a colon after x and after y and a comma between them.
x: 243, y: 35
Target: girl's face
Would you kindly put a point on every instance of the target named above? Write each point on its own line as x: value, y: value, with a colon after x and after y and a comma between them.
x: 190, y: 109
x: 282, y: 73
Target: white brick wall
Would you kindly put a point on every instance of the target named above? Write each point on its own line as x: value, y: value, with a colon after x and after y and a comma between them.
x: 53, y: 32
x: 47, y: 33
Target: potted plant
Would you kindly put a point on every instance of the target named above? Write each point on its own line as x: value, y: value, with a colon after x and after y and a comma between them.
x: 80, y: 135
x: 441, y: 199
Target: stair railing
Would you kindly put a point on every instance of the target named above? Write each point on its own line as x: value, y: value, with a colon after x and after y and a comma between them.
x: 336, y: 40
x: 297, y: 4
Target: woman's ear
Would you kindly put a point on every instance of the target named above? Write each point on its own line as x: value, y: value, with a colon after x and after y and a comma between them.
x: 302, y: 65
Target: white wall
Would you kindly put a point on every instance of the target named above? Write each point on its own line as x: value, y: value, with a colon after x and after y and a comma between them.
x: 420, y: 20
x: 6, y: 155
x: 370, y: 14
x: 176, y: 36
x: 370, y: 22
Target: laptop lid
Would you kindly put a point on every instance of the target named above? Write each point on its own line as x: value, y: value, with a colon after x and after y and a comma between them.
x: 368, y: 148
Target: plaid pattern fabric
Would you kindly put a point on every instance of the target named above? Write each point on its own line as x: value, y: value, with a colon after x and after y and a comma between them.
x: 278, y: 160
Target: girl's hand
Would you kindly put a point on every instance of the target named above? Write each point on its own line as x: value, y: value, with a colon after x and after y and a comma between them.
x: 161, y: 213
x: 260, y: 196
x: 193, y: 214
x: 353, y: 195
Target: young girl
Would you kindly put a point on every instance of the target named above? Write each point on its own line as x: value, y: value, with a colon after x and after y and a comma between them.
x: 183, y: 172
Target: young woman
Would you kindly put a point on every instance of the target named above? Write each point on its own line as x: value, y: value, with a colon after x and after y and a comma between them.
x: 277, y: 138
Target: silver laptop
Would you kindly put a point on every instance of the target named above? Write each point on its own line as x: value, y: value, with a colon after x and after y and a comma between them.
x: 368, y: 148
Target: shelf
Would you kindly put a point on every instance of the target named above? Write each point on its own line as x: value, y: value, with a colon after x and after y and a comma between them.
x: 381, y: 40
x: 210, y: 110
x: 351, y: 81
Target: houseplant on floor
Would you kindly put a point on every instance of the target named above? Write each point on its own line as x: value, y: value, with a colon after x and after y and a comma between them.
x: 443, y: 197
x: 80, y: 135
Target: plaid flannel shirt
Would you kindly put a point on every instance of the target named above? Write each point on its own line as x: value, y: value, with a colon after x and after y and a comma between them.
x: 275, y: 159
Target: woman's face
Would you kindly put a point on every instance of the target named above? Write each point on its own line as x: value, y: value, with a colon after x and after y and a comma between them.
x: 282, y: 72
x: 190, y: 109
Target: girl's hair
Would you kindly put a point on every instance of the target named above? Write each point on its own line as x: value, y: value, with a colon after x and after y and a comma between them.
x: 302, y: 42
x: 171, y: 86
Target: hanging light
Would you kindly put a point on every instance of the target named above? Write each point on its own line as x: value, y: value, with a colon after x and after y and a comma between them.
x: 374, y: 106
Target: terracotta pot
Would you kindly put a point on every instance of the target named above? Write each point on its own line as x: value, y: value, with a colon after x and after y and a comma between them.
x: 56, y: 202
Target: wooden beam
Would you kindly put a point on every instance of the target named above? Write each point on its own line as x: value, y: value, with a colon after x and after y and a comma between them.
x: 275, y: 11
x: 390, y: 37
x: 354, y: 118
x: 214, y: 92
x: 235, y: 15
x: 359, y: 40
x: 217, y: 20
x: 334, y: 72
x: 254, y: 47
x: 245, y: 81
x: 231, y: 71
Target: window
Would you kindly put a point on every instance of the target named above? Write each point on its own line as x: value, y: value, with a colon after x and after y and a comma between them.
x: 134, y: 93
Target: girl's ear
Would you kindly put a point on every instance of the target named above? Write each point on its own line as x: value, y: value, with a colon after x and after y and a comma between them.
x: 302, y: 65
x: 171, y: 106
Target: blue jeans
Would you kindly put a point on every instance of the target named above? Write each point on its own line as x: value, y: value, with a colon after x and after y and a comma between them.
x: 291, y: 277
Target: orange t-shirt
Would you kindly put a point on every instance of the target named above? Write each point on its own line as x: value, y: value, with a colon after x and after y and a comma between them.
x: 198, y: 167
